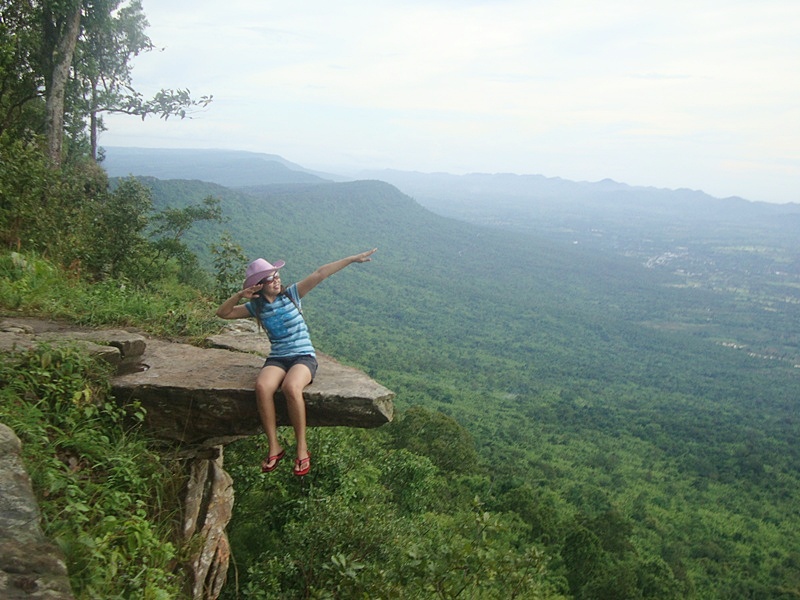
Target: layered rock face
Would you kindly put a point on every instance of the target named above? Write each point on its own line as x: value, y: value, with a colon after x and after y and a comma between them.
x: 197, y: 400
x: 204, y: 396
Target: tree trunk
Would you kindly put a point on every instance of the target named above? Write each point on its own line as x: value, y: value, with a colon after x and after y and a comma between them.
x: 62, y: 60
x: 93, y: 121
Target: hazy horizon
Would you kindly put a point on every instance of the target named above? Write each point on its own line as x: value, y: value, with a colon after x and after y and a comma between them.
x: 698, y: 95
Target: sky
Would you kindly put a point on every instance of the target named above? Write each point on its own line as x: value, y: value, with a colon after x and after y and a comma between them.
x: 701, y: 94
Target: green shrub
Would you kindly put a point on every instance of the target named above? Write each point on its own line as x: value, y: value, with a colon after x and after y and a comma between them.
x: 369, y: 522
x: 46, y: 210
x: 107, y: 500
x: 33, y: 286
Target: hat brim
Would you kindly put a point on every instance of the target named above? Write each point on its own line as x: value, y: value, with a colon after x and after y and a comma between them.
x: 256, y: 277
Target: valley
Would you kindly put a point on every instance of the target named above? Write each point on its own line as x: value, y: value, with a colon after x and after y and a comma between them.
x: 639, y: 381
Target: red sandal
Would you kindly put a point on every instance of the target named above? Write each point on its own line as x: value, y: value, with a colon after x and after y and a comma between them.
x: 301, y: 470
x: 265, y: 468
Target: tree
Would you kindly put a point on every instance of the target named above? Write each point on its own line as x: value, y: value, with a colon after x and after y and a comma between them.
x: 118, y: 241
x: 20, y: 73
x: 61, y: 25
x: 130, y: 242
x: 228, y: 260
x: 75, y: 55
x: 583, y: 557
x: 111, y: 40
x: 169, y: 227
x: 441, y: 438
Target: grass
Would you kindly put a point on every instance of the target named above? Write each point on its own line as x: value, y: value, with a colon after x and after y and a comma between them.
x: 32, y: 286
x: 103, y: 493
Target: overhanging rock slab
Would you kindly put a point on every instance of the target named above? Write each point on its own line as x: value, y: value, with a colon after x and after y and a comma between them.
x: 206, y: 396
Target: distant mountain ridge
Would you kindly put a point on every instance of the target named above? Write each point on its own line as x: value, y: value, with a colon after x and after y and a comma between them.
x: 231, y: 168
x: 474, y: 196
x: 607, y: 215
x: 446, y: 191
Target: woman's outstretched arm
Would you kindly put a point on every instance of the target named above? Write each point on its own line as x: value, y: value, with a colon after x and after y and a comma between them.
x: 309, y: 283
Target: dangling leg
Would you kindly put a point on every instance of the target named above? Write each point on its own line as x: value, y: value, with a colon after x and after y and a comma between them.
x: 296, y: 380
x: 267, y: 382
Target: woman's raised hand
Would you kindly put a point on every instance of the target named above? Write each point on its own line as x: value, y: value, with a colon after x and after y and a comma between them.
x: 364, y: 256
x: 251, y: 292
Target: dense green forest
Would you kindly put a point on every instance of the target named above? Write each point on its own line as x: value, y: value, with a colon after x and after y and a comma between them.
x: 559, y: 432
x: 588, y: 398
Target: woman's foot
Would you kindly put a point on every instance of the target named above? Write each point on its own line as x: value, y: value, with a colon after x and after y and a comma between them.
x: 270, y: 463
x: 302, y: 466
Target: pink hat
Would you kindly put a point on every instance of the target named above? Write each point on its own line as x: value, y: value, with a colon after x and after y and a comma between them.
x: 258, y: 269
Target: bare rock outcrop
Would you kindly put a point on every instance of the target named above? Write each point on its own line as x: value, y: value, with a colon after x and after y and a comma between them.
x: 30, y: 565
x: 207, y: 510
x: 205, y: 395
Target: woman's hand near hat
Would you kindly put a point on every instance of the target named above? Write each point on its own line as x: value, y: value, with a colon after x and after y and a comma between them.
x: 252, y: 291
x: 231, y: 309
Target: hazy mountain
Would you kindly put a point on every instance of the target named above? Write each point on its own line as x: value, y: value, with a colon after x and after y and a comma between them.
x: 226, y: 167
x: 483, y: 195
x: 546, y: 204
x: 597, y: 267
x: 724, y: 243
x: 719, y: 243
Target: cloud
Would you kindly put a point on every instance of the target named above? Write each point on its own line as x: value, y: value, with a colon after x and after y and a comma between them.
x: 661, y: 93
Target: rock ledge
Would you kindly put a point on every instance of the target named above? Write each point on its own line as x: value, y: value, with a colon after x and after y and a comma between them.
x: 204, y: 396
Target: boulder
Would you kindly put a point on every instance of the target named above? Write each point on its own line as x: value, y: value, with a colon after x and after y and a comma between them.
x: 205, y: 396
x: 30, y: 565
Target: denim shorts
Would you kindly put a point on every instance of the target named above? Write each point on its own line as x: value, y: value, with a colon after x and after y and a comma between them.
x: 287, y: 362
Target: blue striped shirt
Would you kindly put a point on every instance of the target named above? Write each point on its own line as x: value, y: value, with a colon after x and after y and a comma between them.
x: 285, y: 326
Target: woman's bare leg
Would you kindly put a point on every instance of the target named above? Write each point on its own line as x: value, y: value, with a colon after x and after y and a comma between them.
x: 267, y: 383
x: 296, y: 380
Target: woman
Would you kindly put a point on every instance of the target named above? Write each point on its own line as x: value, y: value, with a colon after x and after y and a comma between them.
x: 291, y: 364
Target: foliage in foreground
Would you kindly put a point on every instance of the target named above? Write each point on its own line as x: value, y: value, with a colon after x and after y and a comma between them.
x: 107, y: 500
x: 73, y: 217
x: 30, y: 285
x: 374, y: 520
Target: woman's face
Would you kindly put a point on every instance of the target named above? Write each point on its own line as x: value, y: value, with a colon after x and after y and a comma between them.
x: 271, y: 285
